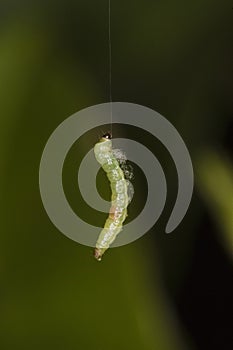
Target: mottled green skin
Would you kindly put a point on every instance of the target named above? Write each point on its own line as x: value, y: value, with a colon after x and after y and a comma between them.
x: 119, y: 199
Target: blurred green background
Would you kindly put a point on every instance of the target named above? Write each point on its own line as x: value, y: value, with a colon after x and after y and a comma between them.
x: 162, y: 292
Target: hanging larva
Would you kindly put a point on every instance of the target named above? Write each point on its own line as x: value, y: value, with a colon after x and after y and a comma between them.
x: 120, y: 198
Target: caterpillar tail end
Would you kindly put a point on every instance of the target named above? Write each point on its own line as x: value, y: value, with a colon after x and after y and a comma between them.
x: 98, y: 253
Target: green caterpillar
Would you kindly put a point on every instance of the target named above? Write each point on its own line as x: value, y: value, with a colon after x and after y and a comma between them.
x: 119, y: 200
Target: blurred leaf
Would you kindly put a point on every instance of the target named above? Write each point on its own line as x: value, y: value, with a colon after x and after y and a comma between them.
x: 215, y: 181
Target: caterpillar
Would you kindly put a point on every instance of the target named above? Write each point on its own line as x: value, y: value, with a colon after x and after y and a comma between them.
x: 121, y: 193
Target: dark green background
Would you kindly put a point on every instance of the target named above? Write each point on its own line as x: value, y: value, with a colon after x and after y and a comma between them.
x: 162, y: 292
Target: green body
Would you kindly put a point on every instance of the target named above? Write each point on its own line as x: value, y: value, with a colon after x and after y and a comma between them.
x: 119, y: 200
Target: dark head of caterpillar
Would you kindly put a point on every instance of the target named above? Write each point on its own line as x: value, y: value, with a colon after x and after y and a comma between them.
x: 107, y: 136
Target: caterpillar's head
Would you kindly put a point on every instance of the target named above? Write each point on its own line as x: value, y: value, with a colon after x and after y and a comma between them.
x: 106, y: 136
x: 103, y: 148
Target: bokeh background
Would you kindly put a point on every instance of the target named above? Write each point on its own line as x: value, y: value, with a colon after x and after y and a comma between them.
x: 162, y: 292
